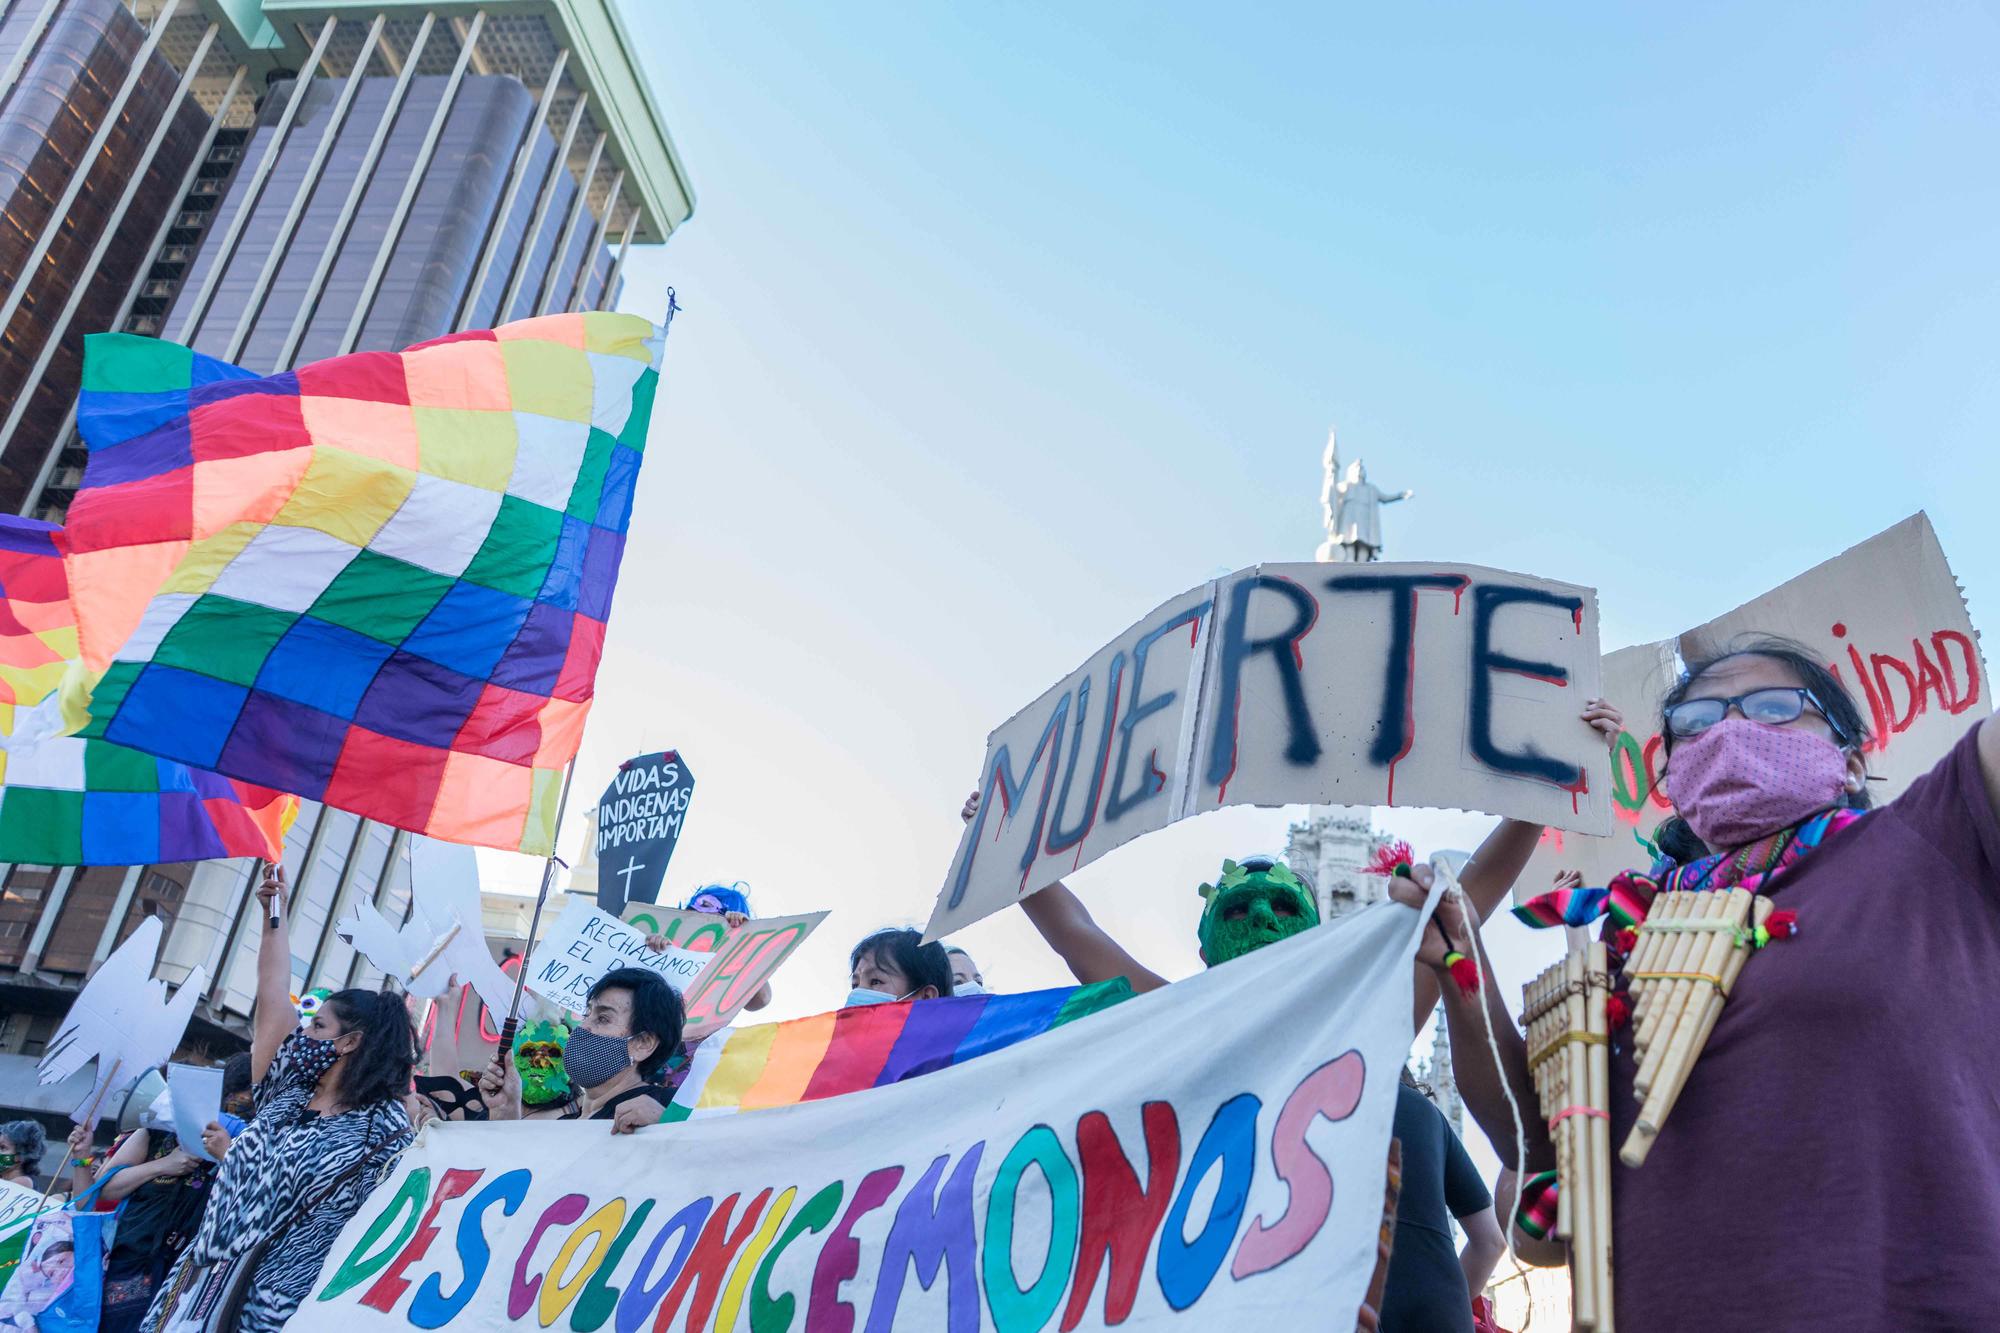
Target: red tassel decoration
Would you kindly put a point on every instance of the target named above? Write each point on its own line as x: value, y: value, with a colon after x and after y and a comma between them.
x: 1617, y: 1010
x: 1782, y: 924
x: 1393, y: 859
x: 1625, y: 941
x: 1463, y: 970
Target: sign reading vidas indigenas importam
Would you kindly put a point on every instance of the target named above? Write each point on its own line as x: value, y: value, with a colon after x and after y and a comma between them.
x: 638, y: 823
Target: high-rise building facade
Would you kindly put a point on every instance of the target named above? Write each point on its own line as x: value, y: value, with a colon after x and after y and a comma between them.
x: 274, y: 182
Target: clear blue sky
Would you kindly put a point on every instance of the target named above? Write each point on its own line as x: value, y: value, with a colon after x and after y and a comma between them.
x: 1002, y: 323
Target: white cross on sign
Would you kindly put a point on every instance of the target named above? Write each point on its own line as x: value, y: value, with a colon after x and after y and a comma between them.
x: 632, y: 867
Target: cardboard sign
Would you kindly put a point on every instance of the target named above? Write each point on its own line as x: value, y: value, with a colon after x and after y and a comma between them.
x: 1379, y: 684
x: 638, y: 825
x: 699, y: 932
x: 1887, y: 616
x: 585, y: 943
x: 123, y: 1020
x: 1202, y: 1176
x: 743, y: 959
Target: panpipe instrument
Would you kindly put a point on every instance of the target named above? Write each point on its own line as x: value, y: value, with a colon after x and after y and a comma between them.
x: 1569, y: 1057
x: 1690, y: 949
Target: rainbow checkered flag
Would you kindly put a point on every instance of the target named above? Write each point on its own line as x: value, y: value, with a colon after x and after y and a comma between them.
x: 379, y: 581
x: 68, y: 801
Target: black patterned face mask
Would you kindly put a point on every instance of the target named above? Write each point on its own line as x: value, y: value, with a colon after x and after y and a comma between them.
x: 591, y: 1060
x: 316, y: 1056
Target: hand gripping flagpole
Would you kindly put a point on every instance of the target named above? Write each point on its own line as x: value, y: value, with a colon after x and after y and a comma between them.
x: 513, y: 1023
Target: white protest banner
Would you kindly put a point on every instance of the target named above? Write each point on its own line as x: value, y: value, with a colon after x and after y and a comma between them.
x: 1378, y: 684
x: 1887, y: 616
x: 1166, y: 1162
x: 586, y: 942
x: 741, y: 960
x: 18, y: 1203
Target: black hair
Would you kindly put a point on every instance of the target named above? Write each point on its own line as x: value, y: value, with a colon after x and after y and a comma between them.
x: 1850, y: 725
x: 657, y: 1012
x: 904, y: 949
x: 236, y: 1074
x: 379, y: 1069
x: 1675, y: 840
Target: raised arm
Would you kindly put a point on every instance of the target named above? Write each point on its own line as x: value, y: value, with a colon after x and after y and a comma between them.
x: 1066, y: 925
x: 276, y: 1016
x: 1488, y: 878
x: 1080, y: 942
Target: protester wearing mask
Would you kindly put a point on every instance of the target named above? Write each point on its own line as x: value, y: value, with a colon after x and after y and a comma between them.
x: 616, y: 1053
x: 164, y: 1189
x: 965, y: 977
x: 22, y: 1143
x: 1821, y: 1093
x: 329, y: 1123
x: 1259, y: 901
x: 896, y: 964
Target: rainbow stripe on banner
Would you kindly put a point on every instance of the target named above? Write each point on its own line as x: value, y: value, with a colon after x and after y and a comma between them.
x: 870, y: 1046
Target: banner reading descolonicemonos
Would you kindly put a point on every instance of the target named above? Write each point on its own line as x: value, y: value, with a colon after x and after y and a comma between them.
x: 1210, y: 1155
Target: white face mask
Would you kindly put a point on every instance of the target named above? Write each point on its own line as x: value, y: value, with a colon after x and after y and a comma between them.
x: 861, y: 995
x: 968, y: 988
x: 159, y: 1114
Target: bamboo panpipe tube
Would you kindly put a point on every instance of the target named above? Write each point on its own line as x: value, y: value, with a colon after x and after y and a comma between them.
x: 1687, y: 996
x: 1691, y: 995
x: 1599, y: 1128
x: 1674, y: 1075
x: 1680, y: 949
x: 1576, y: 1187
x: 1652, y: 950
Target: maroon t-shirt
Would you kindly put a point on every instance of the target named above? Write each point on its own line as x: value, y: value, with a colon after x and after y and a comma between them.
x: 1834, y: 1160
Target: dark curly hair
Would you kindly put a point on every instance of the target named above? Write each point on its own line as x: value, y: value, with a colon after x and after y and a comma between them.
x: 379, y: 1069
x: 1843, y: 715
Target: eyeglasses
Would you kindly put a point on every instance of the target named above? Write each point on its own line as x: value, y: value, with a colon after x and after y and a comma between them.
x: 1771, y: 707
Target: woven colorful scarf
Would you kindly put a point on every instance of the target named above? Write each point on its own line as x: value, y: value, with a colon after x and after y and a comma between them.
x: 1628, y: 896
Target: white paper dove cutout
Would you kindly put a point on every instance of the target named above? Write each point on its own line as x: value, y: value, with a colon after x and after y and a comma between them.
x: 444, y: 886
x: 123, y: 1020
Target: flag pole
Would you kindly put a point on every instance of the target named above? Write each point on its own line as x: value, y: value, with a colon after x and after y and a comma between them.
x: 513, y: 1022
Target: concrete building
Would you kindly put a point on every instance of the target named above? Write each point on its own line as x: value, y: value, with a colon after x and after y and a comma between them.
x: 272, y: 182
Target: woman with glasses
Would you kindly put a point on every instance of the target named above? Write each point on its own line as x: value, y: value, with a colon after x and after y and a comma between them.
x: 1831, y: 1162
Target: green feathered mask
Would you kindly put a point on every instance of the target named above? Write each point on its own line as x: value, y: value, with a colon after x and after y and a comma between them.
x: 1251, y: 905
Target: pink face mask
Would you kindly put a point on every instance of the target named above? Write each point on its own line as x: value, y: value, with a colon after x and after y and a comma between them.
x: 1741, y: 780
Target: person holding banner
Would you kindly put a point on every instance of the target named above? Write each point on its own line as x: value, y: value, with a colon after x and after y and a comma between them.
x: 1826, y: 1165
x: 329, y: 1123
x: 616, y: 1053
x: 965, y: 974
x: 895, y: 964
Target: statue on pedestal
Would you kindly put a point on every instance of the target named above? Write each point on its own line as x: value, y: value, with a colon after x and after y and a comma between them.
x: 1352, y: 507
